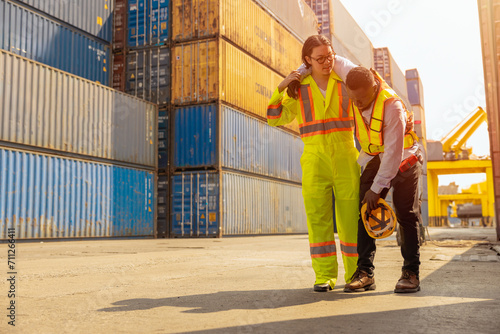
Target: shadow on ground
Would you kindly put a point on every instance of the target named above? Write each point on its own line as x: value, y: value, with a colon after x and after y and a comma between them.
x: 470, y: 293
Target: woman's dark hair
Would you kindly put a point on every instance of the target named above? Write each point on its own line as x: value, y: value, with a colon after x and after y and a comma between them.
x: 310, y: 43
x: 360, y: 77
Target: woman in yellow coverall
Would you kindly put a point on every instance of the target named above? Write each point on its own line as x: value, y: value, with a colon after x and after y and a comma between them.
x: 328, y: 163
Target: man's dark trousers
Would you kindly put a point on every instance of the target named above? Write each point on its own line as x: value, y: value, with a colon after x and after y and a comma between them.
x: 407, y: 208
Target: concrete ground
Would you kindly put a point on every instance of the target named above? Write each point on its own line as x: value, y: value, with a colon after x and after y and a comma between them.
x: 257, y: 284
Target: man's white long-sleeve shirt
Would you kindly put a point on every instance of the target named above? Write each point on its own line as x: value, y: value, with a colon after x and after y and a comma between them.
x: 393, y: 131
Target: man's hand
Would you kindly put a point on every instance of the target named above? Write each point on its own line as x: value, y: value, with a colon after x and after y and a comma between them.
x: 371, y: 199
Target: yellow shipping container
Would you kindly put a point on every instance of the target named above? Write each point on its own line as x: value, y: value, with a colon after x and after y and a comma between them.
x: 210, y: 70
x: 244, y: 23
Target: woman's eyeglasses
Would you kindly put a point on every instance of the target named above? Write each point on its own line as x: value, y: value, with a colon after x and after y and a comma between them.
x: 322, y: 59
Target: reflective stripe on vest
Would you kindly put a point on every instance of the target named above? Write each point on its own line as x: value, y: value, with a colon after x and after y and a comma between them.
x: 323, y: 249
x: 311, y: 126
x: 371, y: 138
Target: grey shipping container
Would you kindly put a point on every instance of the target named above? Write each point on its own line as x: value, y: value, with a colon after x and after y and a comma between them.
x: 295, y: 15
x: 92, y: 16
x: 43, y: 107
x: 37, y: 37
x: 218, y: 136
x: 213, y: 204
x: 149, y: 75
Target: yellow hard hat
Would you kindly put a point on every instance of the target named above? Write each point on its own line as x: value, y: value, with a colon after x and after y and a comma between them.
x: 381, y: 222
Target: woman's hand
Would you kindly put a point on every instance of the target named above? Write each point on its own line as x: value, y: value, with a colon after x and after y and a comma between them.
x: 294, y: 76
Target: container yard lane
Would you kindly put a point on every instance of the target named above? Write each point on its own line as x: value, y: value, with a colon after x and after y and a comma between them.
x: 11, y: 276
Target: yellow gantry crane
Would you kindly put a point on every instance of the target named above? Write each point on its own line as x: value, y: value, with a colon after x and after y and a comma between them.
x: 450, y: 156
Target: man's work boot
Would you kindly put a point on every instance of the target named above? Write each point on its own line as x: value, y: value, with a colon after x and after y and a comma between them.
x: 408, y: 282
x: 360, y: 282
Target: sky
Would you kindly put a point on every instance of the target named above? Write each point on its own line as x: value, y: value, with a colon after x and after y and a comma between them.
x: 441, y: 39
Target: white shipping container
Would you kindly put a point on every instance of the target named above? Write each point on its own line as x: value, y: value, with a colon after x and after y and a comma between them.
x: 350, y: 34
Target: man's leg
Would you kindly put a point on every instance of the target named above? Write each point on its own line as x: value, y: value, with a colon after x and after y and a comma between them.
x: 363, y: 278
x: 366, y: 244
x: 407, y: 207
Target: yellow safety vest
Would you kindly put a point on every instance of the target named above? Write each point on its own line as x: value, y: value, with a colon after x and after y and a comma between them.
x: 318, y: 116
x: 371, y: 138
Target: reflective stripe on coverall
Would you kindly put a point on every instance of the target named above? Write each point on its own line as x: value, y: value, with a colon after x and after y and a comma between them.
x: 328, y: 163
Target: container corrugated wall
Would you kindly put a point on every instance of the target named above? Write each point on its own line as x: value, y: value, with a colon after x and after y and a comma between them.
x: 39, y: 38
x: 250, y: 145
x: 195, y: 19
x: 195, y: 205
x: 149, y: 75
x: 48, y: 108
x: 214, y: 204
x: 296, y: 16
x: 259, y: 206
x: 46, y: 196
x: 211, y: 70
x: 92, y: 16
x: 195, y: 137
x: 244, y: 23
x: 148, y: 22
x: 246, y: 143
x: 351, y: 34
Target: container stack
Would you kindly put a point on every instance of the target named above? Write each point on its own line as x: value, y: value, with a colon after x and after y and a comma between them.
x: 141, y: 67
x: 73, y: 36
x: 77, y: 159
x: 231, y: 172
x: 389, y: 70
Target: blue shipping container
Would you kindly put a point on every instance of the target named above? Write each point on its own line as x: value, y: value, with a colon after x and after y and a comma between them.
x: 45, y: 196
x: 246, y: 143
x: 148, y: 22
x: 39, y: 38
x: 92, y: 16
x: 148, y: 75
x: 212, y: 204
x: 195, y: 205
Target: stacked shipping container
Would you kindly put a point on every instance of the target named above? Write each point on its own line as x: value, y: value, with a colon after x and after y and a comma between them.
x: 389, y: 70
x: 141, y: 67
x: 232, y: 173
x: 416, y: 99
x: 76, y: 40
x: 77, y: 159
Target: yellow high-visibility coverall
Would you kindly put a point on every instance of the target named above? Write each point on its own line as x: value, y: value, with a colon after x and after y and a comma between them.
x: 328, y: 162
